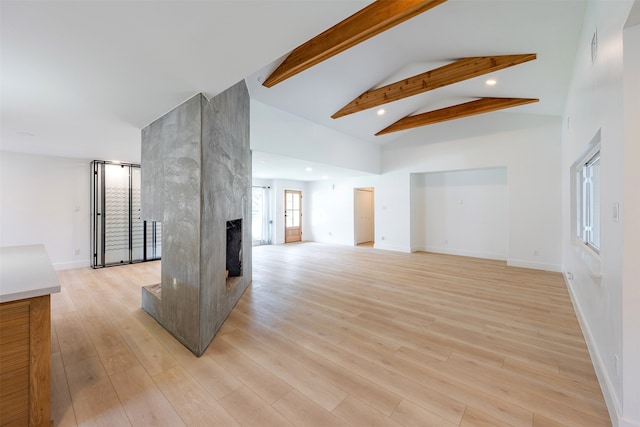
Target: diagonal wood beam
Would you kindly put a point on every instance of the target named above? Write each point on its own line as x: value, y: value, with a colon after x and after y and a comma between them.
x: 379, y: 16
x: 479, y: 106
x: 463, y: 69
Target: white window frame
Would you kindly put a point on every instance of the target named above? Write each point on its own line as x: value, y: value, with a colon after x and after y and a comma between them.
x: 586, y: 205
x: 588, y: 220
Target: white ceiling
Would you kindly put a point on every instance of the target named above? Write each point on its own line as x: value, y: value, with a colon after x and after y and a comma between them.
x: 81, y: 78
x: 634, y: 15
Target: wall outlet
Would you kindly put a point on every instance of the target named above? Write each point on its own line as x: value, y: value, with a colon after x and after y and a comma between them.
x: 536, y: 252
x: 569, y: 275
x: 381, y: 237
x: 76, y: 252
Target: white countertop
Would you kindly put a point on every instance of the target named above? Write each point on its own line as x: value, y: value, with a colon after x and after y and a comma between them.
x: 26, y: 272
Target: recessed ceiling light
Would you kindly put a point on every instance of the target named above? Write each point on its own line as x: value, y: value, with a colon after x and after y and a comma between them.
x: 308, y: 169
x: 325, y: 177
x: 381, y: 111
x: 491, y: 82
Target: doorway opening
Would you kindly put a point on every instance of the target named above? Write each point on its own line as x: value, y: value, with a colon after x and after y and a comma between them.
x: 292, y: 216
x: 260, y: 216
x: 364, y: 224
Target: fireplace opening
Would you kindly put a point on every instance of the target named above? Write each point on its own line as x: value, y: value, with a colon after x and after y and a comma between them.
x: 234, y: 251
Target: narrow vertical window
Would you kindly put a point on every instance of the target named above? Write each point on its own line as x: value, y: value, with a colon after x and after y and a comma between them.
x: 588, y: 202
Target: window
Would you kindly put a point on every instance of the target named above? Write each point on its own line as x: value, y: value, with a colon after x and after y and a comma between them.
x: 588, y: 199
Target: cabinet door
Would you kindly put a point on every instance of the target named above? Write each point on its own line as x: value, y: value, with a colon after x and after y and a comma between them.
x: 14, y: 363
x: 25, y: 362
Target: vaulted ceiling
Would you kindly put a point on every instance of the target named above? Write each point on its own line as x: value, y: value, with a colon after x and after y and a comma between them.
x: 81, y: 79
x: 455, y: 33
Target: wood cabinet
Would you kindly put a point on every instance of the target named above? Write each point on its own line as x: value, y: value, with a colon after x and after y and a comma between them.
x: 25, y: 352
x: 26, y: 281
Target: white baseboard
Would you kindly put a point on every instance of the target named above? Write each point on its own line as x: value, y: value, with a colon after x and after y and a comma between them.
x: 608, y: 391
x: 449, y: 251
x: 534, y: 265
x: 623, y: 422
x: 394, y: 248
x: 70, y: 265
x: 341, y: 242
x: 331, y: 241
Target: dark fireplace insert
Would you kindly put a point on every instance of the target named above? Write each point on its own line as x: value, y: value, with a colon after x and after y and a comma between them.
x: 234, y: 248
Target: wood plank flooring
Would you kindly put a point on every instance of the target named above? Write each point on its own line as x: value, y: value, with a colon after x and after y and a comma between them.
x: 331, y: 336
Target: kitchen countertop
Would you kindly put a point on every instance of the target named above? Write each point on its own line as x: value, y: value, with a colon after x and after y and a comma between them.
x: 26, y: 272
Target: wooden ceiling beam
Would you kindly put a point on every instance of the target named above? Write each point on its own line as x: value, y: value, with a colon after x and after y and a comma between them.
x: 479, y: 106
x: 463, y: 69
x: 379, y: 16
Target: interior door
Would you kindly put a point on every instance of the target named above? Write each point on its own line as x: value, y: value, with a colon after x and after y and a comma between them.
x: 363, y: 215
x: 292, y: 216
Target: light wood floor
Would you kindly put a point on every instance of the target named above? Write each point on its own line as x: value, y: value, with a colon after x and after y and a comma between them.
x: 331, y: 336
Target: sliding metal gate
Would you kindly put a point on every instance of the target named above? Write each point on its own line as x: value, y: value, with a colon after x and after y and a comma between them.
x: 118, y: 235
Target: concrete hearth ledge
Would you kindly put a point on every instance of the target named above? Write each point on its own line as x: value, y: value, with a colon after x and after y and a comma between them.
x: 151, y: 300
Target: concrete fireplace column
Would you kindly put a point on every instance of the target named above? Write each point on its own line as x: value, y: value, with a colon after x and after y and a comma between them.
x: 196, y: 180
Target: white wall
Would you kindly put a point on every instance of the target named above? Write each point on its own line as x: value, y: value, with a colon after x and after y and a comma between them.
x: 531, y: 156
x: 277, y: 132
x: 529, y: 151
x: 595, y: 102
x: 393, y: 212
x: 631, y: 228
x: 45, y: 200
x: 331, y: 209
x: 461, y: 213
